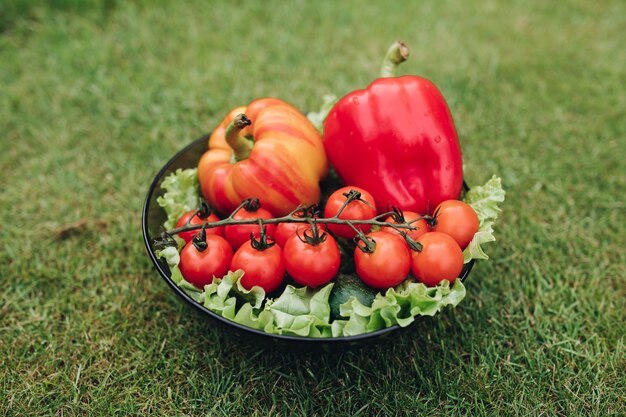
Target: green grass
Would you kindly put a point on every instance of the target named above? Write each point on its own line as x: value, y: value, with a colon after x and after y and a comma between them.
x: 96, y: 96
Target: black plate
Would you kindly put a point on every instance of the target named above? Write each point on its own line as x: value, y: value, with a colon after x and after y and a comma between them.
x: 154, y: 216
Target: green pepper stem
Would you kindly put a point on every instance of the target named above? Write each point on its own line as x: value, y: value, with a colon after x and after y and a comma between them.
x: 241, y: 146
x: 397, y: 54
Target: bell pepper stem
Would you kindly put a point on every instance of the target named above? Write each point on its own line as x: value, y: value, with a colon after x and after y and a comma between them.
x: 397, y: 54
x: 241, y: 146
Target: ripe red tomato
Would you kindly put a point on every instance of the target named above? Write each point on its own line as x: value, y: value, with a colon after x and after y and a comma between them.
x: 199, y: 267
x: 388, y: 265
x: 237, y: 235
x: 309, y: 264
x: 196, y: 219
x: 410, y: 217
x: 361, y: 209
x: 456, y: 219
x: 441, y: 258
x: 262, y: 267
x: 285, y: 230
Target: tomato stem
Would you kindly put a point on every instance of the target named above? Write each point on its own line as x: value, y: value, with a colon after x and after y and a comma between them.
x: 368, y: 244
x: 351, y: 196
x: 431, y: 220
x: 164, y: 240
x: 397, y: 54
x: 203, y: 211
x: 252, y: 204
x: 413, y: 244
x: 308, y: 215
x: 199, y: 240
x: 229, y: 221
x: 249, y: 204
x: 315, y: 238
x: 300, y: 210
x: 261, y: 243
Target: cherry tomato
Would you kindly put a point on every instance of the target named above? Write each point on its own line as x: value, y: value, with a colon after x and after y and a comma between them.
x: 196, y: 219
x: 388, y: 265
x: 237, y: 235
x: 262, y: 267
x: 456, y: 219
x: 441, y: 258
x: 285, y: 230
x: 311, y: 264
x: 412, y: 218
x: 199, y: 267
x: 361, y: 209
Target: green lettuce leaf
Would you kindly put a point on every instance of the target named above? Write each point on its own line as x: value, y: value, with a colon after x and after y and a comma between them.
x: 230, y: 285
x: 399, y: 305
x: 484, y: 200
x: 302, y: 311
x: 224, y: 295
x: 181, y: 195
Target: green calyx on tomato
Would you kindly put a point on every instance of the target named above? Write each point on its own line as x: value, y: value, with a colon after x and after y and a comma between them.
x: 418, y: 224
x: 204, y: 210
x: 199, y: 240
x: 164, y: 241
x: 251, y: 204
x: 311, y: 235
x: 261, y: 243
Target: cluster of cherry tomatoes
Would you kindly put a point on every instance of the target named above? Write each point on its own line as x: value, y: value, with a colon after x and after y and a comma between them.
x: 431, y: 249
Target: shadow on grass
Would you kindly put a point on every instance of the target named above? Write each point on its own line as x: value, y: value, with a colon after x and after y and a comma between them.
x: 418, y: 353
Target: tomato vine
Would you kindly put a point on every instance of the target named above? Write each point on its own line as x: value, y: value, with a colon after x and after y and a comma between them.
x: 304, y: 214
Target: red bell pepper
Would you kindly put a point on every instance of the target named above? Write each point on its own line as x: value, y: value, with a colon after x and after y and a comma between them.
x: 397, y: 140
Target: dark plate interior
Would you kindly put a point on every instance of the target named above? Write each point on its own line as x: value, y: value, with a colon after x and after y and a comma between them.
x: 153, y: 217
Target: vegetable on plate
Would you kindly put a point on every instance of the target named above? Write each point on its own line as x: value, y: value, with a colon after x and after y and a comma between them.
x: 439, y: 259
x: 360, y: 207
x: 383, y: 260
x: 262, y: 264
x: 250, y: 209
x: 312, y: 256
x: 397, y: 139
x: 253, y: 153
x: 205, y: 257
x: 456, y: 219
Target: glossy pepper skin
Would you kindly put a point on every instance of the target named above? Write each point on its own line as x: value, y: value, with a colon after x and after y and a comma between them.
x: 396, y: 139
x: 281, y: 164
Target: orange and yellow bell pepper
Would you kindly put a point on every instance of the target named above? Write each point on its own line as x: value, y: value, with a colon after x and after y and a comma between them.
x: 268, y: 150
